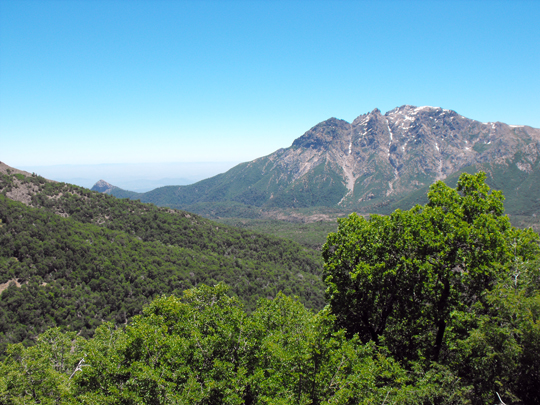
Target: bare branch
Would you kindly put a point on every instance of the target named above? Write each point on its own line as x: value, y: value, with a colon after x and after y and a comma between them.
x: 386, y: 397
x: 78, y: 368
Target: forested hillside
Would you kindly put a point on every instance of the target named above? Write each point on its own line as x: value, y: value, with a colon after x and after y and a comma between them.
x: 75, y: 258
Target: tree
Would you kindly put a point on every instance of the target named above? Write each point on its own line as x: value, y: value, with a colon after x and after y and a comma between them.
x: 399, y: 280
x: 502, y: 350
x: 41, y: 374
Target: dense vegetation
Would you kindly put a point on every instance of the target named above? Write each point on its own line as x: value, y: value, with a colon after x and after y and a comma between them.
x: 109, y: 257
x: 203, y: 348
x: 436, y: 305
x: 310, y: 234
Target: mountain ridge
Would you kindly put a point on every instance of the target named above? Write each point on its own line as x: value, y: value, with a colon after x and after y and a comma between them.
x: 364, y: 165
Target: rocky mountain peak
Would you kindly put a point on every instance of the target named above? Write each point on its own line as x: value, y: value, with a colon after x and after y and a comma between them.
x: 103, y: 187
x: 383, y: 156
x: 322, y: 134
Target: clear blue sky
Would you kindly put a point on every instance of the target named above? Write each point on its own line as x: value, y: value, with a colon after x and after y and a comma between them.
x: 94, y: 82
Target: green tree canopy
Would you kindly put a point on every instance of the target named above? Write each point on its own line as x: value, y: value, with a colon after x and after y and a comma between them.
x: 402, y: 279
x: 202, y: 348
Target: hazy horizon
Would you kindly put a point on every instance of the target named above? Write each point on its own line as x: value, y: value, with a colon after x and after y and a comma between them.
x: 139, y: 177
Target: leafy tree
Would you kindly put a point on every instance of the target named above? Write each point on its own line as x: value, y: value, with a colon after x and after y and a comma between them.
x: 41, y: 374
x: 502, y: 350
x: 303, y: 360
x: 192, y: 349
x: 400, y: 280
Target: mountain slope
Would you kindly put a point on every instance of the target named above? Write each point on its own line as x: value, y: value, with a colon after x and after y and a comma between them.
x: 365, y: 165
x: 72, y: 257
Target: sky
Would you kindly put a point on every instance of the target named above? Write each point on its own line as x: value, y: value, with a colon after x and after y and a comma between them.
x: 187, y: 89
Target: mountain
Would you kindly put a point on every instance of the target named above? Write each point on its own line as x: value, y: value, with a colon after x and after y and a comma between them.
x: 367, y: 165
x: 103, y: 187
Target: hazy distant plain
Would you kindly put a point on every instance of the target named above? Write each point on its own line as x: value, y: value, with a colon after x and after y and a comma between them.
x: 131, y: 176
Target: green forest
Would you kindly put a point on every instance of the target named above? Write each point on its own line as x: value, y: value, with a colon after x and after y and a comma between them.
x: 117, y: 302
x: 82, y: 258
